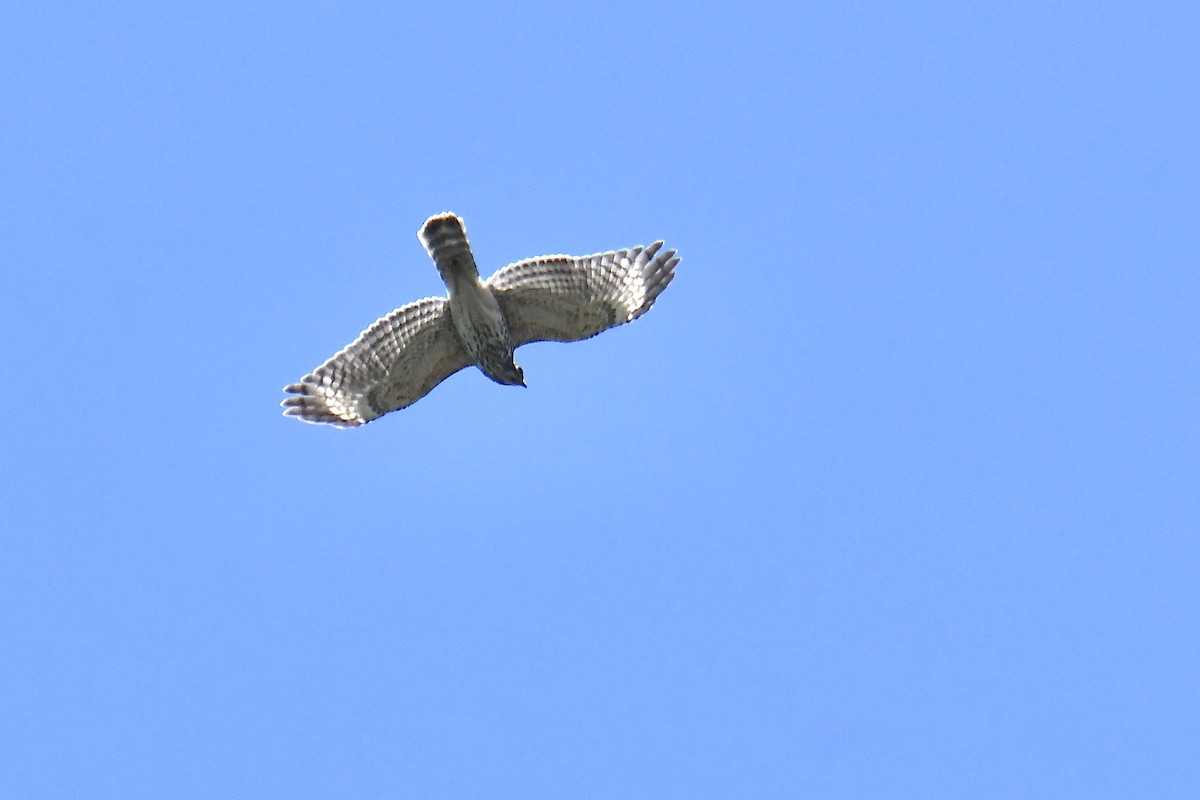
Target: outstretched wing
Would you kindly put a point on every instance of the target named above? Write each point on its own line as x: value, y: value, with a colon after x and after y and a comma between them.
x: 566, y: 298
x: 392, y: 364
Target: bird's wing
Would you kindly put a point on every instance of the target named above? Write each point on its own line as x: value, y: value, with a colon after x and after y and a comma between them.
x: 392, y: 364
x: 567, y: 298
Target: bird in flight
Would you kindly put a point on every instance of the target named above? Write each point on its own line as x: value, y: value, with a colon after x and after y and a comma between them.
x: 402, y: 356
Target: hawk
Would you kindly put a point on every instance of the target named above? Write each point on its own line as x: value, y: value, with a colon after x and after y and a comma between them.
x: 399, y: 359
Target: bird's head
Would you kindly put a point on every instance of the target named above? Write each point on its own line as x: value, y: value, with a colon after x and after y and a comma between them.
x: 517, y: 375
x: 509, y: 375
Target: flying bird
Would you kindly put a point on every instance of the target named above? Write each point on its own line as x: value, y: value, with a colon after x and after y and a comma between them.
x: 402, y: 356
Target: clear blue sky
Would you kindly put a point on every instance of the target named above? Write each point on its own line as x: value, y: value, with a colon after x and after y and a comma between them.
x: 895, y: 493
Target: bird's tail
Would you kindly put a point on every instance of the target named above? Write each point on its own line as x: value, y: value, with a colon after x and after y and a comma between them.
x: 445, y: 239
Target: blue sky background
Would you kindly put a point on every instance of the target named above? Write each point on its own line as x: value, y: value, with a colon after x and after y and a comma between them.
x: 893, y: 494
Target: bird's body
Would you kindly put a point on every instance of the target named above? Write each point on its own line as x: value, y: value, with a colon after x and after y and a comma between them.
x: 474, y: 310
x: 401, y: 357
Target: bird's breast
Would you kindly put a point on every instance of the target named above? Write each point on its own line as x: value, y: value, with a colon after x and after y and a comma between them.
x: 478, y: 320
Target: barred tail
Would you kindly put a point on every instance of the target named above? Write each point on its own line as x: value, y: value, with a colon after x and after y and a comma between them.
x: 445, y: 239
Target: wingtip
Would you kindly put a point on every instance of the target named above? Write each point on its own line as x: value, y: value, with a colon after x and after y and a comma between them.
x: 309, y: 407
